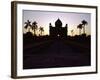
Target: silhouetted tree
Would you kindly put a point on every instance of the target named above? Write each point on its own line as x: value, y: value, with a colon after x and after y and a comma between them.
x: 79, y: 27
x: 41, y: 29
x: 27, y: 25
x: 84, y: 23
x: 34, y: 27
x: 72, y: 32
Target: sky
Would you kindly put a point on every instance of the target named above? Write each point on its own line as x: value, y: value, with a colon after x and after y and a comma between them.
x: 43, y: 18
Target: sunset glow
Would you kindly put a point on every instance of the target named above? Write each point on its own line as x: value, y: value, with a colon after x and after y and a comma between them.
x: 43, y: 18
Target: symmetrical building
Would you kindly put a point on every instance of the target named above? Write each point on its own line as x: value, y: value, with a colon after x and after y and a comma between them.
x: 58, y: 30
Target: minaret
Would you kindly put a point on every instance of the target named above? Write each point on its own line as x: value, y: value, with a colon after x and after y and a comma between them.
x: 50, y: 27
x: 66, y: 28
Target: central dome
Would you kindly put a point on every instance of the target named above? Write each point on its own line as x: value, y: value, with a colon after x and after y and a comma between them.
x: 58, y: 23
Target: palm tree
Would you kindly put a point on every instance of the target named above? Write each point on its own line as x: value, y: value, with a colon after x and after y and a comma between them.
x: 84, y: 23
x: 72, y: 32
x: 27, y: 25
x: 79, y: 27
x: 34, y: 27
x: 41, y: 29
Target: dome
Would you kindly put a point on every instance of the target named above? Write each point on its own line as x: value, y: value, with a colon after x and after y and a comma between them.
x: 58, y: 23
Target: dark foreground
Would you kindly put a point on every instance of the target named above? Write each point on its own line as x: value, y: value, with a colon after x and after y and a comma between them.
x: 56, y: 53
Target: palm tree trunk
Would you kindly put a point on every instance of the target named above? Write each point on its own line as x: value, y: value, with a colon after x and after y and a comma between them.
x: 34, y: 31
x: 79, y: 31
x: 41, y: 33
x: 29, y: 29
x: 84, y: 29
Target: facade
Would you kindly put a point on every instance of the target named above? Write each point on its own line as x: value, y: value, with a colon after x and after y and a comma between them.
x: 58, y: 30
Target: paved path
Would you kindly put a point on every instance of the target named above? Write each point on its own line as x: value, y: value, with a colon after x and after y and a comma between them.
x: 57, y: 54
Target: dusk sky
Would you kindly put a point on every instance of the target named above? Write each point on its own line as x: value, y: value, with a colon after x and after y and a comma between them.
x: 43, y: 18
